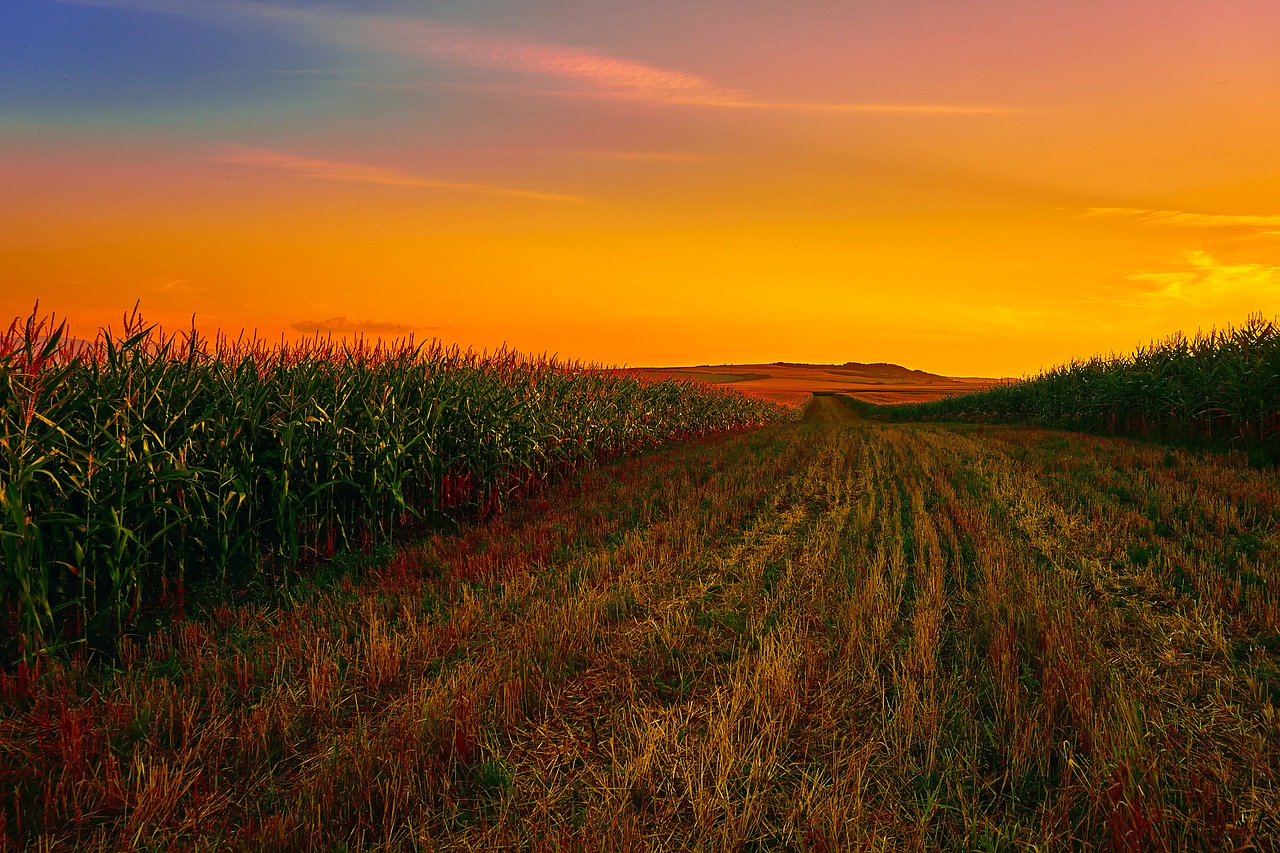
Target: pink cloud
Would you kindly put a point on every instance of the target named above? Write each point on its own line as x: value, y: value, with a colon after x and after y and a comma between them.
x: 360, y: 173
x: 602, y: 74
x: 598, y: 73
x: 645, y: 156
x: 476, y: 49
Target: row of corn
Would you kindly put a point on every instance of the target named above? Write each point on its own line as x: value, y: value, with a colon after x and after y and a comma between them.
x: 136, y: 463
x: 1220, y: 388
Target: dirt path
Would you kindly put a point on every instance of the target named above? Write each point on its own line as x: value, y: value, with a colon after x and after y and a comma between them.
x: 829, y: 410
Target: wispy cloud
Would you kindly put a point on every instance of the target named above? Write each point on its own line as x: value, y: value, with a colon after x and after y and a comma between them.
x: 601, y: 74
x: 594, y: 73
x: 1187, y: 219
x: 351, y: 326
x: 360, y: 173
x: 1205, y: 280
x: 177, y: 285
x: 645, y: 156
x: 473, y: 48
x: 1189, y: 291
x: 748, y: 103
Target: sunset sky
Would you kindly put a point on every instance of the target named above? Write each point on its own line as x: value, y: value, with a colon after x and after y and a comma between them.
x: 970, y: 187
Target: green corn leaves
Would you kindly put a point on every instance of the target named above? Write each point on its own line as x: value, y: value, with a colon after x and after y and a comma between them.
x: 141, y: 463
x: 1220, y: 388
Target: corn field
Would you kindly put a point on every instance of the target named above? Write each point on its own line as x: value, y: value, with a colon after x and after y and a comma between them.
x: 1216, y: 389
x: 135, y: 464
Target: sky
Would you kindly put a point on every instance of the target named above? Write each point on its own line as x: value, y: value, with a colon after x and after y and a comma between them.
x: 970, y: 187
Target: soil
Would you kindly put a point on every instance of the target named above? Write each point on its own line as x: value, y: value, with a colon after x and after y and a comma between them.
x: 829, y: 410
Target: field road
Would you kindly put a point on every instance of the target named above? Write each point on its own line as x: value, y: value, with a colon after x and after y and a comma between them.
x: 827, y: 636
x: 828, y: 409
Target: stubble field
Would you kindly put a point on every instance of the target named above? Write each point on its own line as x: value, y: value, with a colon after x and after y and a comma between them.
x: 836, y: 635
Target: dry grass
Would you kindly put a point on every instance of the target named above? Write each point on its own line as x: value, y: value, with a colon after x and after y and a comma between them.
x: 806, y: 638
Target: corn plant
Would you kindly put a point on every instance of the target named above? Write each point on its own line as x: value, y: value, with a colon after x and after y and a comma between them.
x: 139, y: 462
x: 1220, y: 388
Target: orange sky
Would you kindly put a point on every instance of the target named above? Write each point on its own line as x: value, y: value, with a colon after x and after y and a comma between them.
x: 969, y: 188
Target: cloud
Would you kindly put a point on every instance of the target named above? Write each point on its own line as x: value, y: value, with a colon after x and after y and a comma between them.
x: 1195, y: 290
x: 900, y: 109
x: 351, y: 326
x: 998, y: 317
x: 1207, y: 281
x: 1186, y: 219
x: 477, y: 49
x: 645, y: 156
x: 601, y: 74
x: 360, y: 173
x: 177, y: 285
x: 594, y: 73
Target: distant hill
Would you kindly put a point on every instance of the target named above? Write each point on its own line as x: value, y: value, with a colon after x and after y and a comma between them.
x: 879, y: 382
x: 879, y: 370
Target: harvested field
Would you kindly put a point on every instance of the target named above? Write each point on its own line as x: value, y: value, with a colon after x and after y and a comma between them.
x: 828, y: 636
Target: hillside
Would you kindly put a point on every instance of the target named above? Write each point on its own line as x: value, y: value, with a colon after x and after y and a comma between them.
x: 878, y: 383
x: 875, y: 370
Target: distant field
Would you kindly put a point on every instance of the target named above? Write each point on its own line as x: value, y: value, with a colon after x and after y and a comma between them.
x: 700, y: 376
x: 880, y: 383
x: 838, y: 635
